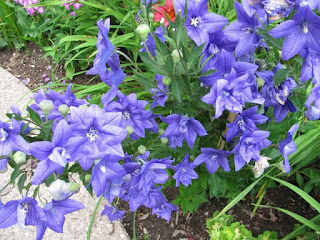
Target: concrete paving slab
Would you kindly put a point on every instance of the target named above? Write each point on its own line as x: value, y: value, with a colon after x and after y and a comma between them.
x: 76, y: 224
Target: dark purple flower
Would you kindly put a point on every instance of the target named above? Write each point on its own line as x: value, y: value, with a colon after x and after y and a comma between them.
x: 160, y: 94
x: 106, y: 56
x: 184, y: 172
x: 213, y: 158
x: 95, y: 133
x: 113, y: 213
x: 107, y: 168
x: 53, y: 156
x: 246, y: 121
x: 182, y: 128
x: 249, y: 147
x: 24, y: 212
x: 244, y: 32
x: 288, y: 146
x: 149, y: 45
x: 199, y: 22
x: 301, y: 32
x: 131, y: 111
x: 55, y: 211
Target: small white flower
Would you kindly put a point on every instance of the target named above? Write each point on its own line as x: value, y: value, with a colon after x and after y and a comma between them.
x: 260, y: 166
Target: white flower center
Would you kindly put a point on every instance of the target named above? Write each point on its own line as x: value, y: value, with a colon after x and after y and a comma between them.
x: 92, y: 134
x: 194, y: 21
x: 103, y: 168
x: 3, y: 135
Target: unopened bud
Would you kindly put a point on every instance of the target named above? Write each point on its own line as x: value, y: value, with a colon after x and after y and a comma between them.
x: 142, y: 149
x: 164, y: 140
x: 260, y: 82
x: 143, y: 30
x: 129, y: 130
x: 46, y: 106
x: 87, y: 178
x: 64, y: 109
x: 59, y: 189
x: 161, y: 131
x: 151, y: 16
x: 83, y: 107
x: 166, y: 81
x: 75, y: 187
x: 176, y: 56
x: 19, y: 157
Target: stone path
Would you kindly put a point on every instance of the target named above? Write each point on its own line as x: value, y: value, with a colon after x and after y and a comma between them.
x: 12, y: 91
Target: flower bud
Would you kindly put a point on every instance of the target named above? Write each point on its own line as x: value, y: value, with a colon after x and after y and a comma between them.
x: 64, y: 109
x: 142, y: 149
x: 75, y: 187
x: 83, y: 107
x: 129, y: 130
x: 176, y: 56
x: 46, y: 106
x: 19, y: 157
x: 260, y: 82
x: 59, y: 190
x: 87, y: 178
x: 161, y: 131
x: 166, y: 81
x: 151, y: 17
x: 143, y: 30
x: 164, y: 140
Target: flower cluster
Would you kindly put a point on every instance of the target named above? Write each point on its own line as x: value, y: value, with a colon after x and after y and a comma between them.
x: 30, y: 10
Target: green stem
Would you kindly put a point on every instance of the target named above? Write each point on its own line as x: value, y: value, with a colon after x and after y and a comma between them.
x: 134, y: 237
x: 93, y: 218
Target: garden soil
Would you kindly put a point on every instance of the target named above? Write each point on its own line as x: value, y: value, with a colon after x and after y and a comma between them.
x: 30, y: 64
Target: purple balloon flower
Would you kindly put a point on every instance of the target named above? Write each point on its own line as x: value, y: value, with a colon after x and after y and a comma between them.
x: 106, y: 56
x: 301, y: 32
x: 199, y: 22
x: 24, y: 212
x: 94, y: 134
x: 246, y: 121
x: 113, y: 213
x: 149, y: 45
x: 160, y: 94
x: 244, y: 32
x: 55, y: 211
x: 249, y: 147
x: 182, y: 128
x: 311, y: 66
x: 288, y: 146
x: 213, y: 158
x: 185, y: 172
x: 131, y: 111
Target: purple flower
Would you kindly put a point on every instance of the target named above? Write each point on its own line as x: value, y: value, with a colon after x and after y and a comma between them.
x: 244, y: 32
x: 113, y: 213
x: 160, y: 94
x: 185, y: 172
x: 213, y: 158
x: 10, y: 140
x: 301, y: 32
x: 55, y: 211
x: 94, y: 134
x: 249, y: 147
x: 311, y: 66
x: 106, y: 56
x: 149, y: 45
x: 107, y: 168
x: 164, y: 210
x: 246, y: 121
x: 313, y: 113
x: 288, y: 146
x: 314, y: 96
x: 24, y: 212
x: 182, y: 128
x: 131, y: 111
x: 199, y: 22
x: 217, y: 42
x: 53, y: 155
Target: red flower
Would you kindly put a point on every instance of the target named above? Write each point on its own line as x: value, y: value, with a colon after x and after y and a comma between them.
x: 166, y: 11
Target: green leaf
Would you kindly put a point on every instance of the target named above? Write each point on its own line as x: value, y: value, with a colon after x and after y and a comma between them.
x: 300, y: 192
x: 280, y: 75
x: 153, y: 65
x: 34, y: 116
x: 21, y: 182
x: 177, y: 88
x: 195, y: 56
x: 146, y: 82
x: 300, y: 180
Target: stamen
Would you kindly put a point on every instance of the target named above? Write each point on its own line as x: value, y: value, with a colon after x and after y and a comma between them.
x: 194, y: 21
x: 92, y: 134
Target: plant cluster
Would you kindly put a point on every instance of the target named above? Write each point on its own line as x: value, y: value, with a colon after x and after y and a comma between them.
x: 219, y: 96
